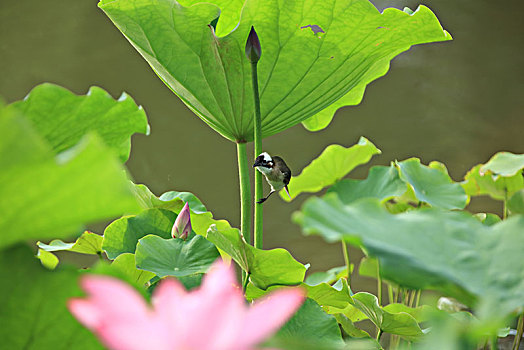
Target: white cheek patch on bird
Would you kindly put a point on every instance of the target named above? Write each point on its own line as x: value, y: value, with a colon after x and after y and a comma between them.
x: 267, y: 157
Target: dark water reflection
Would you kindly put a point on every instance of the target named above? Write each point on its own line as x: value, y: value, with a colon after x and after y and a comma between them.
x: 457, y: 102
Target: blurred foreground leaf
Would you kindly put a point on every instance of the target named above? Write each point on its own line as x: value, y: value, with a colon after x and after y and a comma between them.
x: 44, y: 195
x: 452, y: 252
x: 33, y: 311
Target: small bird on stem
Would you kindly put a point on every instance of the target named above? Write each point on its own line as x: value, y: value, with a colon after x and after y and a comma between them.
x: 276, y: 172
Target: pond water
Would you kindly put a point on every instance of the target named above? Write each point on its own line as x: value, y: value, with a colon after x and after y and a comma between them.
x: 457, y: 102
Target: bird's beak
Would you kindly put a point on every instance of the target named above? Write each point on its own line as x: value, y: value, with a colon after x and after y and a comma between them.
x: 257, y: 163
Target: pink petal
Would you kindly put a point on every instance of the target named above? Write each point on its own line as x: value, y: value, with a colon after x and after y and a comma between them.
x: 266, y: 317
x: 118, y: 315
x: 218, y: 307
x: 114, y: 296
x: 219, y: 279
x: 85, y: 312
x: 138, y: 335
x: 168, y: 303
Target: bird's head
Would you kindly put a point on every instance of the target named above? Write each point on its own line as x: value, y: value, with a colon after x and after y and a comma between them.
x: 264, y: 162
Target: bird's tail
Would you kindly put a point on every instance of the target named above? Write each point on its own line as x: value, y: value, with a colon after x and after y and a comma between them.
x: 287, y: 191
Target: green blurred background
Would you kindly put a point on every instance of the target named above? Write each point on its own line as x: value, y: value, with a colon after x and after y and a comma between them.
x: 457, y: 102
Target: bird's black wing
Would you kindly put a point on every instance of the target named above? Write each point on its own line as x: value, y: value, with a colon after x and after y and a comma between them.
x: 284, y: 168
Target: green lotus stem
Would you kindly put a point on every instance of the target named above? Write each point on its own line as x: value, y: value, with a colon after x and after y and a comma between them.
x: 245, y: 192
x: 520, y: 331
x: 379, y: 285
x: 379, y: 333
x: 258, y: 150
x: 346, y: 260
x: 412, y: 298
x: 245, y: 197
x: 418, y: 297
x: 493, y: 343
x: 505, y: 209
x: 391, y: 298
x: 253, y: 54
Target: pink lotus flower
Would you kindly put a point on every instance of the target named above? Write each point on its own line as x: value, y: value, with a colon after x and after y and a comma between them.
x: 213, y: 317
x: 182, y: 226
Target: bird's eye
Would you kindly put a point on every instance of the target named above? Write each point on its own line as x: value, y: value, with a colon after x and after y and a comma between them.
x: 270, y: 164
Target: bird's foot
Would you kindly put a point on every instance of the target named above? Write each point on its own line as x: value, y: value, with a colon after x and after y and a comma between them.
x: 260, y: 201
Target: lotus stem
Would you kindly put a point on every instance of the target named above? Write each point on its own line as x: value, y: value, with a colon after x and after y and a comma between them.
x: 379, y: 334
x: 418, y: 297
x: 390, y: 294
x: 379, y: 285
x: 245, y: 192
x: 505, y: 207
x: 258, y: 150
x: 245, y: 197
x: 520, y: 331
x: 346, y: 260
x: 494, y: 343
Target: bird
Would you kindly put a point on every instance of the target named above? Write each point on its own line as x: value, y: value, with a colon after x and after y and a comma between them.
x: 275, y: 170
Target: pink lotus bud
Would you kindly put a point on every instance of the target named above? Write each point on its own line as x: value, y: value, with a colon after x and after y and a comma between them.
x: 253, y: 50
x: 182, y: 226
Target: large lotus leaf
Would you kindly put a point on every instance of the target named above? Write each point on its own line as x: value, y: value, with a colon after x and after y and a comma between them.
x: 349, y: 327
x: 504, y: 164
x: 63, y: 118
x: 330, y: 276
x: 126, y: 265
x: 33, y: 312
x: 331, y: 165
x: 300, y: 73
x: 322, y: 119
x: 175, y: 256
x: 265, y: 267
x: 382, y: 183
x: 44, y: 195
x: 516, y: 203
x: 201, y: 219
x: 400, y: 323
x: 122, y: 235
x: 87, y: 243
x: 337, y: 296
x: 432, y: 185
x: 420, y: 313
x: 479, y: 182
x: 313, y: 325
x: 169, y: 200
x: 431, y: 249
x: 229, y: 13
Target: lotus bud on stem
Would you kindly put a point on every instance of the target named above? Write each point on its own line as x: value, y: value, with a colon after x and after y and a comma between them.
x: 253, y: 50
x: 253, y: 53
x: 182, y: 227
